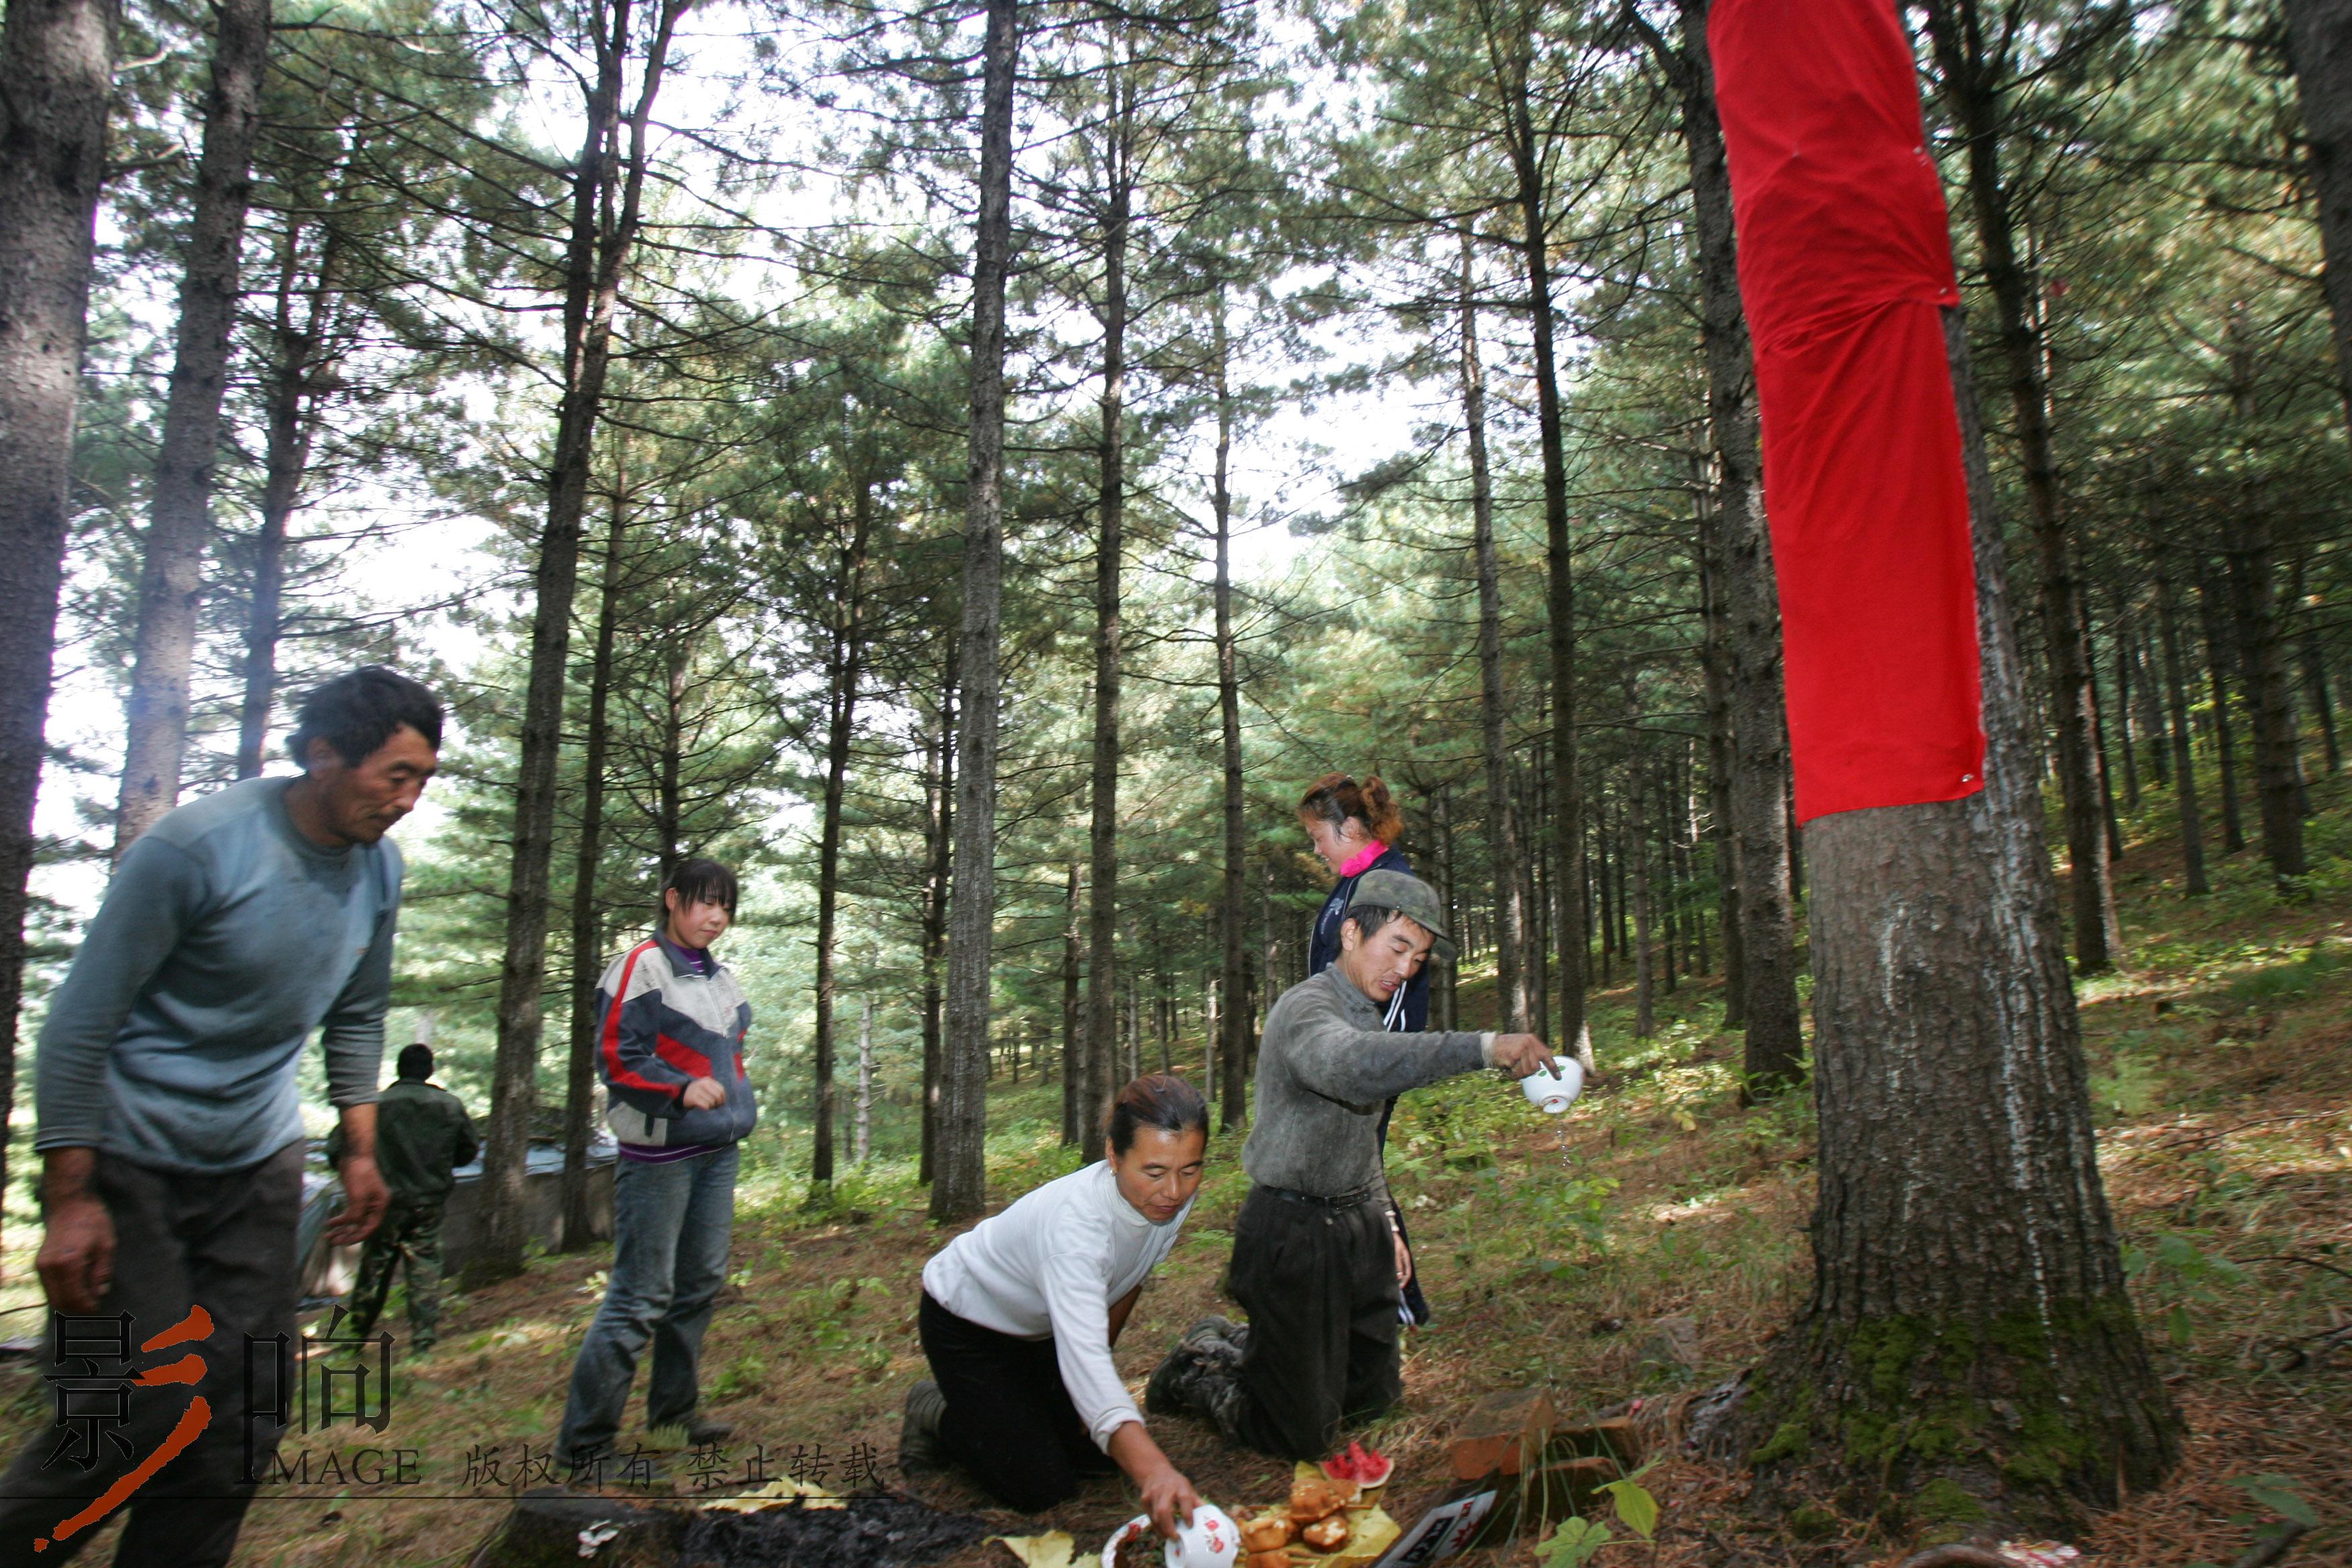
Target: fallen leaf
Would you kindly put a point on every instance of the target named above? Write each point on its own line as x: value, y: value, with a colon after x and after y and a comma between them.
x: 1051, y: 1550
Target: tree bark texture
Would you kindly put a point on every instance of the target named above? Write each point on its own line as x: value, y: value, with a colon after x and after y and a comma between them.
x: 2311, y: 657
x: 2251, y: 564
x: 1637, y: 850
x: 1511, y: 999
x: 848, y: 662
x: 1073, y: 1013
x: 1968, y: 1351
x: 1230, y: 1046
x: 2221, y: 650
x: 2319, y: 40
x: 300, y: 355
x: 1775, y: 1047
x: 608, y: 186
x: 587, y: 914
x: 1567, y: 824
x: 960, y: 1187
x: 2184, y: 772
x: 864, y: 1145
x: 1972, y: 90
x: 56, y: 58
x: 1715, y: 664
x: 171, y: 572
x: 938, y: 838
x: 1110, y: 548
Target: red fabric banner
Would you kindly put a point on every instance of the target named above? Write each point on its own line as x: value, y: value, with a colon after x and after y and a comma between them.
x: 1845, y: 260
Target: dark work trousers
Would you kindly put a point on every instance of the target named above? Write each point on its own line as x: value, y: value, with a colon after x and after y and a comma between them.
x: 1009, y: 1421
x: 224, y: 1243
x: 1319, y: 1285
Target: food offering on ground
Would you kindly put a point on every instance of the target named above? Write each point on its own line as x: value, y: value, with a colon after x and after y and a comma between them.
x: 1315, y: 1495
x: 1330, y: 1519
x: 1269, y: 1532
x: 1367, y: 1467
x: 1327, y: 1534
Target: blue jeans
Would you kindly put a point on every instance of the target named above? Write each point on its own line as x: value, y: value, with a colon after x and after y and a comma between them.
x: 670, y: 1228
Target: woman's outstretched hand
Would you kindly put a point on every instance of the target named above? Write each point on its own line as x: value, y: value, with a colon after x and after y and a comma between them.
x: 1168, y: 1497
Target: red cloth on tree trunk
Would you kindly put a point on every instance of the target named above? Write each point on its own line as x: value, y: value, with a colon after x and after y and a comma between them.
x: 1845, y: 261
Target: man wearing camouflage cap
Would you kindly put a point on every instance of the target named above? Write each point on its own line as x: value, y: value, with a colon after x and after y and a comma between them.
x: 1313, y: 1262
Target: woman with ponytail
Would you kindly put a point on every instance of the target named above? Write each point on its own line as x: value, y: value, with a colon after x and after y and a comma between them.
x: 1354, y: 828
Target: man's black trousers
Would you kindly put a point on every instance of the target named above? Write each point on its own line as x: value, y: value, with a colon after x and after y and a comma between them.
x: 223, y: 1243
x: 1319, y: 1285
x: 1009, y: 1420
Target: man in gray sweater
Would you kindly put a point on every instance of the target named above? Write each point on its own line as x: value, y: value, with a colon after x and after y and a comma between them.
x: 171, y: 1131
x: 1314, y: 1262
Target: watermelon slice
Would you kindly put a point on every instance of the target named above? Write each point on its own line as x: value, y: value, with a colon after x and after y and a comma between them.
x: 1366, y: 1467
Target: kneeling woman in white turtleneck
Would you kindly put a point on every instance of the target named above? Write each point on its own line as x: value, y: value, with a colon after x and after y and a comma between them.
x: 1020, y: 1312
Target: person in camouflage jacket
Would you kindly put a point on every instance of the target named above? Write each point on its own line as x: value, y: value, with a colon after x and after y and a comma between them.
x: 423, y: 1134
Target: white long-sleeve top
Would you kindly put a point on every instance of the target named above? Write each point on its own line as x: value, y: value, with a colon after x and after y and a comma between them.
x: 1049, y: 1266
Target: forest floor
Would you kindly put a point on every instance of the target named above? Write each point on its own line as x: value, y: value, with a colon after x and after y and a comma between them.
x: 2220, y: 1057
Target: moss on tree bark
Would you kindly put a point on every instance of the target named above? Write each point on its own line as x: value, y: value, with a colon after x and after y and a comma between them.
x: 1969, y: 1360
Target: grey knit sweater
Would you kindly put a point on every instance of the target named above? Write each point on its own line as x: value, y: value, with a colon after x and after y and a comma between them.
x: 1325, y: 1068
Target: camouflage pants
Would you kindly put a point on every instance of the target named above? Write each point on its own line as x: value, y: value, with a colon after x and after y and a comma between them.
x: 411, y: 1232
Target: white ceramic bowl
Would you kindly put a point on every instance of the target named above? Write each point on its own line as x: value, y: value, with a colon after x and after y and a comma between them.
x: 1553, y: 1092
x: 1211, y: 1540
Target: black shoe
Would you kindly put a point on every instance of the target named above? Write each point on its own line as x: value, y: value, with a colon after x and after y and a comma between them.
x: 918, y: 1431
x: 1174, y: 1383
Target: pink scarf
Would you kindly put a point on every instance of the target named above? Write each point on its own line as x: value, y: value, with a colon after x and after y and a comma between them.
x: 1364, y: 858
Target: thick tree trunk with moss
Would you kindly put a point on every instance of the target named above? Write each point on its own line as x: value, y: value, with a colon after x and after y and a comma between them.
x: 1968, y: 1359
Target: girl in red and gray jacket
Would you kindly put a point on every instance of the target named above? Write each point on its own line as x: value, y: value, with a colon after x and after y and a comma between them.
x: 671, y: 1024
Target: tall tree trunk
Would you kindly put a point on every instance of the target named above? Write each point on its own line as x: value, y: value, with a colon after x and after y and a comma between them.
x: 1511, y: 59
x: 2221, y: 648
x: 171, y: 573
x: 669, y: 793
x: 1102, y: 872
x: 2319, y: 40
x: 1073, y: 1132
x: 1715, y: 663
x: 588, y: 858
x: 2152, y: 721
x: 961, y: 1185
x: 1969, y: 1295
x: 1774, y: 1051
x: 1637, y: 852
x: 2251, y: 563
x: 865, y: 1147
x: 1511, y: 1000
x: 1444, y: 991
x: 1232, y: 1043
x: 2313, y: 657
x: 2184, y: 770
x: 840, y: 720
x: 1972, y: 89
x: 608, y: 187
x: 939, y: 826
x: 57, y: 58
x: 289, y: 424
x: 2119, y: 634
